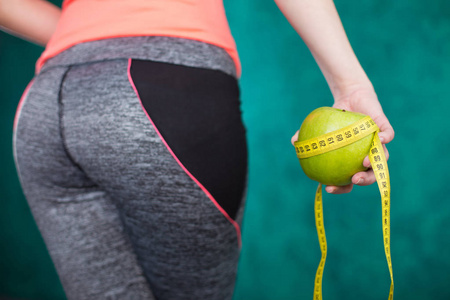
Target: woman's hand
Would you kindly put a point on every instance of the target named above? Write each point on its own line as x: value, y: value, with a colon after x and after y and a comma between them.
x: 362, y: 100
x: 319, y: 25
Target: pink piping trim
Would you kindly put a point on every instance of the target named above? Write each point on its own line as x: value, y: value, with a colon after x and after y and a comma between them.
x: 20, y: 105
x: 233, y: 222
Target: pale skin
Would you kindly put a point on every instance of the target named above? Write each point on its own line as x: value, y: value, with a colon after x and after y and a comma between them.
x: 32, y: 20
x: 318, y: 24
x: 316, y: 21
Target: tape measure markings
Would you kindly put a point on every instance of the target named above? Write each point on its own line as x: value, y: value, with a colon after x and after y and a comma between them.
x: 320, y: 226
x: 334, y: 140
x: 379, y: 165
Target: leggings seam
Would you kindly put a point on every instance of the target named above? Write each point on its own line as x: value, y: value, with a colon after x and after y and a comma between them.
x: 69, y: 66
x: 61, y: 116
x: 62, y: 128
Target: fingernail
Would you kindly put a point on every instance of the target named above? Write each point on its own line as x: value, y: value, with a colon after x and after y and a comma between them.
x: 331, y: 190
x: 381, y: 139
x: 360, y: 181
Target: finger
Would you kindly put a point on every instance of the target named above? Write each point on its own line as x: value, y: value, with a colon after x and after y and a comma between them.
x: 366, y: 161
x: 386, y: 152
x: 339, y: 189
x: 386, y: 133
x: 294, y: 138
x: 364, y: 178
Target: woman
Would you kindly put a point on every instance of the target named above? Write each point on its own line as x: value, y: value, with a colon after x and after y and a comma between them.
x: 129, y: 141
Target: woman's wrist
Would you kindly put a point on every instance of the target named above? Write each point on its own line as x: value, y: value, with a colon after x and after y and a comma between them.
x: 346, y: 88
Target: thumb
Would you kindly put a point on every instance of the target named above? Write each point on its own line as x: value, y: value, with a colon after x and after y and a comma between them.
x: 294, y: 138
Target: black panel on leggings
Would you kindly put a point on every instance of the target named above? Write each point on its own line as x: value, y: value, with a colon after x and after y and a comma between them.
x: 197, y: 111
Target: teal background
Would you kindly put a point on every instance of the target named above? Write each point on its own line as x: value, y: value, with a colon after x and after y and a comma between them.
x: 404, y: 46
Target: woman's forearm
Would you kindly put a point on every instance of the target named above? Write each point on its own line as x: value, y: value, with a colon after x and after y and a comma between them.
x: 319, y: 25
x: 33, y: 20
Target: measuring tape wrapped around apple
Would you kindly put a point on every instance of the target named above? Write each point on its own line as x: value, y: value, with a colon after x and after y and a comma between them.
x: 331, y: 146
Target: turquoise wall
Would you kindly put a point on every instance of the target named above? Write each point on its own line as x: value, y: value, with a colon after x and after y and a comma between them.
x: 404, y: 46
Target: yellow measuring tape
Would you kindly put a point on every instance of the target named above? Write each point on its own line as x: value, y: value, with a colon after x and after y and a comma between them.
x: 335, y: 140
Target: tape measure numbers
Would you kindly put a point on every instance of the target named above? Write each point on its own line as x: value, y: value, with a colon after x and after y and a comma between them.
x: 334, y: 140
x: 380, y: 168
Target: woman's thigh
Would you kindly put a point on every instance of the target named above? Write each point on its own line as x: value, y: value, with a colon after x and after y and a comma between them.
x: 78, y: 221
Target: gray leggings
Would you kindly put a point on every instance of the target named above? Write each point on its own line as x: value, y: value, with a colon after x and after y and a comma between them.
x: 127, y: 211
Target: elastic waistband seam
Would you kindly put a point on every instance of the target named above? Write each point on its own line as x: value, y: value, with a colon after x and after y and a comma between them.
x: 178, y: 51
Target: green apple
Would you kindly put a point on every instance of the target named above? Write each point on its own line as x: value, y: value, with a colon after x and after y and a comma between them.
x: 335, y: 167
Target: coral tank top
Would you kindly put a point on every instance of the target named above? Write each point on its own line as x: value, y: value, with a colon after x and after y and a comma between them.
x: 90, y: 20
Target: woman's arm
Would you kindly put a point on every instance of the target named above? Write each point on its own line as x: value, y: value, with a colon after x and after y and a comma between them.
x: 33, y: 20
x: 319, y: 25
